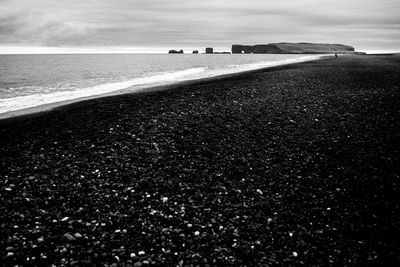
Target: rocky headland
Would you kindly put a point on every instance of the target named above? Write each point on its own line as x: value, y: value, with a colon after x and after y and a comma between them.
x: 292, y: 48
x: 282, y: 48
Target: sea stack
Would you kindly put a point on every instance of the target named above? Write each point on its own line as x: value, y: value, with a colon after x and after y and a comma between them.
x: 209, y: 50
x: 175, y: 52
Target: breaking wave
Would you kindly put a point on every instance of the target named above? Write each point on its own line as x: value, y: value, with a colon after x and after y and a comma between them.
x: 49, y: 96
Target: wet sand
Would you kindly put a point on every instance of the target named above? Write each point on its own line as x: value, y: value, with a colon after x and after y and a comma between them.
x: 293, y: 165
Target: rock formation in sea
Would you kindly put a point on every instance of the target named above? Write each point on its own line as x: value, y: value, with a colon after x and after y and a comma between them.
x: 175, y: 52
x: 248, y: 49
x: 292, y: 48
x: 266, y: 49
x: 209, y: 50
x: 237, y: 49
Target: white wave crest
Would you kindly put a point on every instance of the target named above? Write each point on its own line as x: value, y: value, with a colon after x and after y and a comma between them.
x: 9, y: 105
x: 28, y: 101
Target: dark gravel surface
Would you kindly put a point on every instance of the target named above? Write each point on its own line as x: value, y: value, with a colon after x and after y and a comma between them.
x: 296, y: 165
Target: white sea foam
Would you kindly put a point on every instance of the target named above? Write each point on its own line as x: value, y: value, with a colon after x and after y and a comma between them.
x: 34, y: 100
x: 27, y: 101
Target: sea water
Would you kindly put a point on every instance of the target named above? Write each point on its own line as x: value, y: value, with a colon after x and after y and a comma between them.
x: 28, y: 81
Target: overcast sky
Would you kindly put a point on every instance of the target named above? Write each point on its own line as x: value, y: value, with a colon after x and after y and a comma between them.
x: 190, y: 24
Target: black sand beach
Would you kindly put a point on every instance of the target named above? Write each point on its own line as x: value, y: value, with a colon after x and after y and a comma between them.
x: 293, y: 165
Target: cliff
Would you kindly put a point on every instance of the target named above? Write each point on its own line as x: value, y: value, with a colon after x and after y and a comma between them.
x: 209, y: 50
x: 292, y: 48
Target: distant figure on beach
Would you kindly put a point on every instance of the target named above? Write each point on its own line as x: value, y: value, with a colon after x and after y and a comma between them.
x: 335, y: 55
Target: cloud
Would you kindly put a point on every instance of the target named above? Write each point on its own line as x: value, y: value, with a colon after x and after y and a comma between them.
x: 26, y: 26
x: 191, y: 23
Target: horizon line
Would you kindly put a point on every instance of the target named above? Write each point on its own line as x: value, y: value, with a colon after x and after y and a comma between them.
x: 33, y: 50
x: 43, y: 50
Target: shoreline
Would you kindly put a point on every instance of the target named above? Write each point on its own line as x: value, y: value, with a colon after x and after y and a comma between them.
x: 295, y: 165
x: 41, y: 109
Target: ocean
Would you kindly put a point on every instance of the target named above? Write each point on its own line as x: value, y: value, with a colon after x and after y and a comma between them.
x: 28, y: 81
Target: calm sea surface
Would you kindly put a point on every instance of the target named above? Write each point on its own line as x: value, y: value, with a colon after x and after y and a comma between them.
x: 33, y: 80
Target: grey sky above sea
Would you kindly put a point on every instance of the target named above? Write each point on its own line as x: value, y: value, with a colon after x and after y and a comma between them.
x: 188, y: 24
